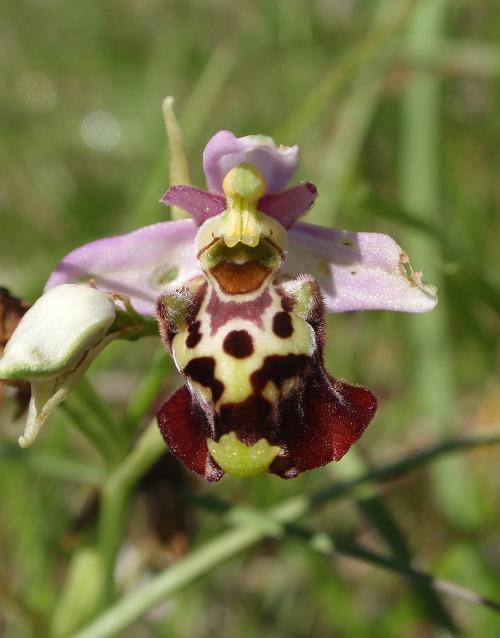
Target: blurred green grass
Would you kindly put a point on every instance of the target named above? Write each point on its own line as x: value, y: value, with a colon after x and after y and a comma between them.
x: 328, y: 78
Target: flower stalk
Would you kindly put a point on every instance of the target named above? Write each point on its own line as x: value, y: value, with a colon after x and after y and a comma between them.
x: 231, y: 543
x: 115, y: 496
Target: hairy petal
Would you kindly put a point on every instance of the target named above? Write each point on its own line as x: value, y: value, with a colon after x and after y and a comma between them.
x: 334, y: 416
x: 198, y: 203
x: 357, y: 271
x: 184, y: 430
x: 224, y: 151
x: 140, y: 264
x: 286, y: 207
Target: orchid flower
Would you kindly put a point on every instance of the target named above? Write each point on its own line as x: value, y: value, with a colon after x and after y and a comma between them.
x: 239, y: 292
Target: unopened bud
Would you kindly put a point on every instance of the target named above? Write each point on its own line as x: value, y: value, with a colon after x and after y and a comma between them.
x: 56, y: 332
x: 54, y: 344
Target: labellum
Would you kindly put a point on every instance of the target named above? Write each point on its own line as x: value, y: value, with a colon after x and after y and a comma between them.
x: 250, y: 348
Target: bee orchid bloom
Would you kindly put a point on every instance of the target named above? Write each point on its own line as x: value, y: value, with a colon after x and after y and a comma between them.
x: 239, y: 292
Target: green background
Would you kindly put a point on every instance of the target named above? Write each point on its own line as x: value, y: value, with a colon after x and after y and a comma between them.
x: 395, y: 107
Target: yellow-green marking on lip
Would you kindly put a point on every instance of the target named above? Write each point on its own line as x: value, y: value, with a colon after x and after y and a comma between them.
x: 238, y: 459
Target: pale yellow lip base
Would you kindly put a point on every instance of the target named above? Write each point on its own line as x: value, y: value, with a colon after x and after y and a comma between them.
x: 238, y: 459
x: 243, y: 186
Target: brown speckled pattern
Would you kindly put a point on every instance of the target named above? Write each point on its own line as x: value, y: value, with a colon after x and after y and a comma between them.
x: 254, y: 366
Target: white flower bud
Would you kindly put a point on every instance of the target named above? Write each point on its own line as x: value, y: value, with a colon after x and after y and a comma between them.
x: 53, y: 345
x: 56, y: 331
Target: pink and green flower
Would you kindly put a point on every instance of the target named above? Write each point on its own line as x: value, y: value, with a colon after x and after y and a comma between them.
x: 239, y: 291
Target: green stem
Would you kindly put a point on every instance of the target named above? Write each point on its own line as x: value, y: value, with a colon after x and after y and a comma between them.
x: 420, y: 195
x: 14, y: 608
x: 456, y: 57
x: 184, y: 572
x: 326, y: 544
x: 398, y: 468
x: 198, y: 110
x: 64, y: 468
x: 206, y: 92
x: 438, y: 584
x: 342, y: 73
x: 178, y: 164
x: 148, y: 390
x: 379, y: 515
x: 229, y: 544
x: 93, y: 431
x: 482, y: 287
x: 433, y: 363
x: 352, y: 121
x: 115, y: 499
x: 101, y: 411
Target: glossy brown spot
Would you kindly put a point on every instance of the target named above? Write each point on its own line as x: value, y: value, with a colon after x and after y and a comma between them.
x: 282, y: 325
x: 287, y: 303
x: 240, y: 279
x: 278, y: 368
x: 202, y: 370
x: 238, y: 343
x: 252, y: 418
x: 194, y: 334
